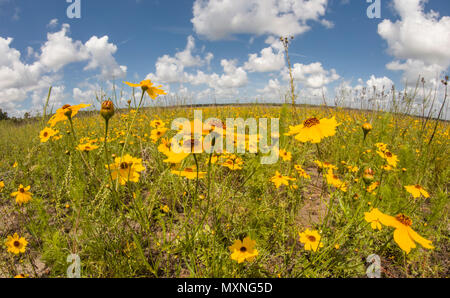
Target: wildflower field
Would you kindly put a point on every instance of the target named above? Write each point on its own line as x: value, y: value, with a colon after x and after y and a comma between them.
x: 108, y: 187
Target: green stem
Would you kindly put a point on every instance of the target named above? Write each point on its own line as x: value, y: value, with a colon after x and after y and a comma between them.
x: 74, y: 136
x: 128, y: 132
x: 196, y: 186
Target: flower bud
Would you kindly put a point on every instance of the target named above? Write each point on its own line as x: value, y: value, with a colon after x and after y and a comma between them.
x: 368, y: 175
x: 67, y: 111
x: 107, y: 110
x: 367, y: 127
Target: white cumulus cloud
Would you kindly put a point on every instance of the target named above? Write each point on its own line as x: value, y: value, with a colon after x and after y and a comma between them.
x: 20, y: 81
x: 170, y: 69
x: 311, y: 75
x: 270, y: 58
x: 419, y: 41
x: 219, y: 19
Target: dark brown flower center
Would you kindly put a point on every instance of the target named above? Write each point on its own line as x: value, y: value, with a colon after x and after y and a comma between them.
x: 404, y: 219
x: 22, y: 190
x: 16, y: 243
x: 124, y: 166
x: 191, y: 143
x: 66, y: 107
x: 388, y: 154
x: 311, y: 122
x: 45, y: 134
x: 189, y: 170
x: 311, y: 238
x: 418, y: 186
x: 243, y: 249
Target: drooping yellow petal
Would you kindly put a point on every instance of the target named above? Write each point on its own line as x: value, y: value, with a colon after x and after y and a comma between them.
x: 401, y: 237
x: 419, y: 239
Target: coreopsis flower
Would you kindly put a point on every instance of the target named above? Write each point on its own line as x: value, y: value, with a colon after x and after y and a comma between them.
x: 126, y: 169
x: 2, y: 185
x: 214, y: 158
x: 189, y: 173
x: 334, y: 180
x: 233, y: 164
x: 172, y: 157
x: 22, y: 195
x: 279, y: 180
x: 311, y: 240
x: 314, y: 130
x: 353, y: 169
x: 372, y: 186
x: 373, y: 217
x: 47, y: 133
x: 386, y: 167
x: 217, y: 128
x: 381, y: 146
x: 65, y: 112
x: 243, y: 250
x: 87, y: 147
x: 417, y: 191
x: 404, y: 235
x: 56, y: 138
x: 164, y: 208
x: 325, y: 165
x: 147, y: 86
x: 301, y: 172
x: 285, y: 155
x: 156, y: 134
x: 164, y: 147
x: 175, y: 158
x: 16, y: 244
x: 107, y: 110
x: 390, y: 158
x: 157, y: 123
x: 22, y: 276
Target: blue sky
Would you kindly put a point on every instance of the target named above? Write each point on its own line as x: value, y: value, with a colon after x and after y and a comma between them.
x: 207, y: 49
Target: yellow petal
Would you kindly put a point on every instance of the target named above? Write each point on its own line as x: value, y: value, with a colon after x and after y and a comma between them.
x: 132, y: 85
x: 422, y: 241
x: 401, y: 237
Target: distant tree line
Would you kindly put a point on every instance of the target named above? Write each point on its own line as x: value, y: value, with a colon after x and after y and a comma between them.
x: 3, y: 115
x: 15, y: 120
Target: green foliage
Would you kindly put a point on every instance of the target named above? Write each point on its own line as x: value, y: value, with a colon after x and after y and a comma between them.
x: 123, y: 230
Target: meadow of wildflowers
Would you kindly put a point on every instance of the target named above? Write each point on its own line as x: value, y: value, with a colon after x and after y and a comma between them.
x: 111, y: 187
